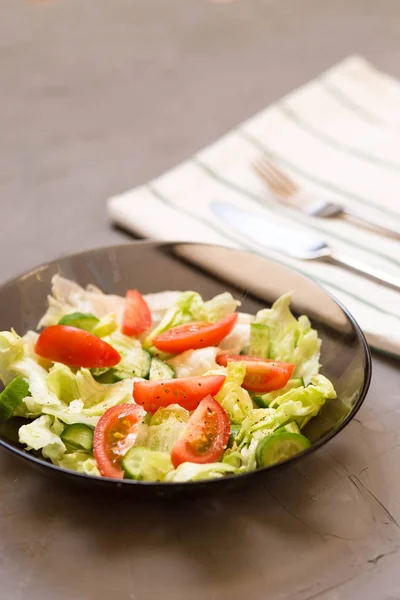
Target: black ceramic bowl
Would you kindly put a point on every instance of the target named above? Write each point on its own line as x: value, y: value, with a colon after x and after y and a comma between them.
x: 153, y: 267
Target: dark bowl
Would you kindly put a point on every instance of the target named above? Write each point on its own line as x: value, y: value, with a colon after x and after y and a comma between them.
x: 257, y: 281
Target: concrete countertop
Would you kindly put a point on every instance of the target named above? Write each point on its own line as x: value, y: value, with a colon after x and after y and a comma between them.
x: 97, y: 96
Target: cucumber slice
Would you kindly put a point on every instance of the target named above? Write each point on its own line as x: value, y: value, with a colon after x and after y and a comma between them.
x: 160, y: 370
x: 12, y: 396
x: 259, y: 340
x: 143, y: 368
x: 137, y: 365
x: 84, y: 321
x: 146, y: 464
x: 291, y: 427
x: 78, y: 436
x: 264, y: 400
x: 280, y: 446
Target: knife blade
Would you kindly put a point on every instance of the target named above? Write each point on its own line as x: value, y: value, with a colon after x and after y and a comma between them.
x: 290, y: 241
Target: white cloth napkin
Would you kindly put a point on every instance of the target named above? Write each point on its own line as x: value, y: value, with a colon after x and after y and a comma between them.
x: 339, y: 137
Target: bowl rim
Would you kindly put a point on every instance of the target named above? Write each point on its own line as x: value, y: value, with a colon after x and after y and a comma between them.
x: 217, y: 482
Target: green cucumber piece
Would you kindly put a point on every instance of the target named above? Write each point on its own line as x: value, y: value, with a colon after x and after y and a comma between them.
x: 259, y: 340
x: 78, y: 436
x: 144, y: 364
x: 84, y: 321
x: 235, y: 428
x: 264, y: 400
x: 139, y: 365
x: 12, y: 396
x: 146, y: 464
x: 259, y: 400
x: 160, y: 370
x: 280, y: 446
x: 106, y: 326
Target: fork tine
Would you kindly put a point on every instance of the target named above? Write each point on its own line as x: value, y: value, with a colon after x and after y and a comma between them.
x: 281, y: 183
x: 270, y: 167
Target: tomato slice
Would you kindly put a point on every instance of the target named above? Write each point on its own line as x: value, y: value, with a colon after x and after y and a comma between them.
x: 75, y: 347
x: 206, y: 435
x: 137, y: 314
x: 193, y: 336
x: 262, y: 375
x: 114, y: 435
x: 187, y: 392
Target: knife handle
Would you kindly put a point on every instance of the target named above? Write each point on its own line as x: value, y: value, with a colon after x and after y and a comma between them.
x: 374, y: 273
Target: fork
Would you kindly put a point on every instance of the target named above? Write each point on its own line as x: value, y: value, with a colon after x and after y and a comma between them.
x: 293, y: 195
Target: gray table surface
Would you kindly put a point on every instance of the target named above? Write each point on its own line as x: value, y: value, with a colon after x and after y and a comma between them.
x: 95, y: 97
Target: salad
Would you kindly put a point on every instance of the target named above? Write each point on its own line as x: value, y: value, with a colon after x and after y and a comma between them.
x: 162, y: 387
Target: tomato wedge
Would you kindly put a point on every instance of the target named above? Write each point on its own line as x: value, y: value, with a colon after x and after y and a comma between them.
x: 193, y: 336
x: 206, y: 435
x: 75, y: 347
x: 262, y: 375
x: 114, y: 435
x: 187, y: 392
x: 137, y: 314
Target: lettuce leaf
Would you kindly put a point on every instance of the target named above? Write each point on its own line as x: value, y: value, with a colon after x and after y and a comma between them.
x: 98, y: 397
x: 194, y: 472
x: 215, y: 309
x: 237, y: 340
x: 298, y: 404
x: 259, y: 340
x: 269, y: 398
x: 79, y: 461
x: 163, y: 428
x: 68, y: 297
x: 11, y: 350
x: 41, y: 394
x: 93, y: 399
x: 74, y: 413
x: 62, y: 382
x: 319, y: 390
x: 193, y: 363
x: 232, y: 397
x: 44, y: 434
x: 291, y: 340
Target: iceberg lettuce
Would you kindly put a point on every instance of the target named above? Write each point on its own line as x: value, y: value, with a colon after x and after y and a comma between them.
x: 194, y: 472
x: 232, y: 397
x: 291, y: 340
x: 79, y: 461
x: 11, y: 351
x: 193, y: 363
x: 44, y: 434
x: 68, y: 297
x: 163, y: 428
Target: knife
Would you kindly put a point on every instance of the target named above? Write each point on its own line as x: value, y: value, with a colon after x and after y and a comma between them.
x: 294, y: 242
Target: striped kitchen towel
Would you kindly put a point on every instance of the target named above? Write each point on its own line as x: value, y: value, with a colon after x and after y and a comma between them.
x: 339, y: 137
